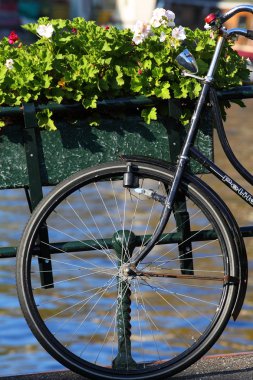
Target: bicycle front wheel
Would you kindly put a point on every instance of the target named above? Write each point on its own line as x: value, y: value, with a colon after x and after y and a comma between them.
x: 99, y: 316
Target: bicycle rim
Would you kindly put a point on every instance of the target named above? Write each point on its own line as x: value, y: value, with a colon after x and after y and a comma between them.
x: 101, y: 319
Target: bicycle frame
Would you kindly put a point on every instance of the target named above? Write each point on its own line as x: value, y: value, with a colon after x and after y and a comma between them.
x: 188, y: 149
x: 223, y: 177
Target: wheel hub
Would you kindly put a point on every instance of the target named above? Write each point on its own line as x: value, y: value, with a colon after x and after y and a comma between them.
x: 127, y: 272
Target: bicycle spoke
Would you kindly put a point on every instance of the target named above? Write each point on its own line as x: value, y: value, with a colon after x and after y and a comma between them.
x: 101, y: 309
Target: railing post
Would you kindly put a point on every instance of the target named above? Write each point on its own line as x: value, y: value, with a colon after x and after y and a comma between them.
x: 124, y: 244
x: 35, y: 189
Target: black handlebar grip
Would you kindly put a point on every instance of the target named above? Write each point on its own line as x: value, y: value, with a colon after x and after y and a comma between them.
x: 250, y: 34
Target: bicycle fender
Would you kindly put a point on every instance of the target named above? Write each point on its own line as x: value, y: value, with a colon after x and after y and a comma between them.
x: 233, y: 226
x: 239, y: 246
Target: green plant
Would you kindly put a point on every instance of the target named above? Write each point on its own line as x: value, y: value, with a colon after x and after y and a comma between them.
x: 80, y: 61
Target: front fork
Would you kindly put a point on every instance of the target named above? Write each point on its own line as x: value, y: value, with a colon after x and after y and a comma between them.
x: 183, y: 159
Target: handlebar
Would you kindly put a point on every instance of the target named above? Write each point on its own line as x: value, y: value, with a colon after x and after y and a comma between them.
x: 242, y: 32
x: 234, y: 11
x: 216, y: 22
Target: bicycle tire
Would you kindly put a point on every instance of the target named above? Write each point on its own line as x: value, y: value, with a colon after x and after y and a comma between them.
x: 168, y: 322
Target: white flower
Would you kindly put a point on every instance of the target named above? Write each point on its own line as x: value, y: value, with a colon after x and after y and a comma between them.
x: 162, y: 17
x: 179, y: 33
x: 141, y: 31
x: 162, y: 37
x: 9, y: 64
x: 171, y: 17
x: 45, y: 30
x: 138, y: 39
x: 142, y: 28
x: 207, y: 26
x: 158, y: 17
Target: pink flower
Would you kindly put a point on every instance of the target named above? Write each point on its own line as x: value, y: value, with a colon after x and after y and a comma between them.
x: 13, y: 37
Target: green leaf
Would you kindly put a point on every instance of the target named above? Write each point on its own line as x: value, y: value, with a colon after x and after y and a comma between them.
x: 163, y: 91
x: 46, y: 81
x: 201, y: 46
x: 58, y: 24
x: 78, y: 96
x: 90, y: 103
x: 149, y: 114
x: 30, y: 27
x: 57, y: 95
x: 136, y: 84
x: 119, y: 77
x: 147, y: 64
x: 3, y: 71
x: 45, y: 121
x: 196, y: 89
x: 157, y: 72
x: 106, y: 47
x: 202, y: 65
x: 238, y: 102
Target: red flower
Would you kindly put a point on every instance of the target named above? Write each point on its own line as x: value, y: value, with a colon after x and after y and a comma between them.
x: 13, y: 37
x: 140, y: 71
x: 74, y: 30
x: 107, y: 27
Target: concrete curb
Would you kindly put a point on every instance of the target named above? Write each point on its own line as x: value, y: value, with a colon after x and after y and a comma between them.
x: 217, y: 367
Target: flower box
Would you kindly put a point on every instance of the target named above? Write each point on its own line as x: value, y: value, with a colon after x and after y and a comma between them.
x: 76, y: 145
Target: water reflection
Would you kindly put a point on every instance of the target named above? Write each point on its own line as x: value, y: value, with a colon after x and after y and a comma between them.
x: 20, y: 352
x: 238, y: 335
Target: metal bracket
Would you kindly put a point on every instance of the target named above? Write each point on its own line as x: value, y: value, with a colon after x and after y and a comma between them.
x: 35, y: 188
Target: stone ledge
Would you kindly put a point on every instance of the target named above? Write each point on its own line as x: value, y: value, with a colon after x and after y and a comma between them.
x: 215, y: 367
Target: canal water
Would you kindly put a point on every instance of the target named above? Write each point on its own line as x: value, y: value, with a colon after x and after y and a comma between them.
x: 19, y: 351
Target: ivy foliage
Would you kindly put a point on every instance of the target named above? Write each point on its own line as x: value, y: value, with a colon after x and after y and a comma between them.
x: 84, y: 62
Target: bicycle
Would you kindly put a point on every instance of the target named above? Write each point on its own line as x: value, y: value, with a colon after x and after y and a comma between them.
x: 119, y: 247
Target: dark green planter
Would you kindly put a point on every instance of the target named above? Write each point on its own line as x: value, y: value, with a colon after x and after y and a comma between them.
x: 77, y: 145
